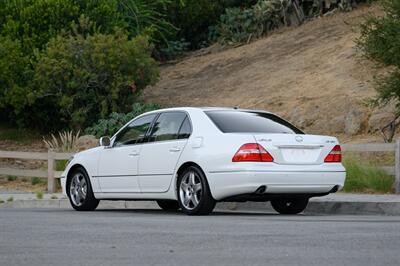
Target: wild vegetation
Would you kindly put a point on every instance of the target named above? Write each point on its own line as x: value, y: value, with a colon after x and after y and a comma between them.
x: 66, y: 64
x: 81, y: 79
x: 241, y: 25
x: 380, y: 42
x: 366, y: 177
x: 39, y: 195
x: 64, y: 142
x: 110, y: 125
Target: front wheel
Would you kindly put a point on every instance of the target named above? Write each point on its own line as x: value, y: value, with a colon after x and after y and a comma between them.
x: 289, y: 206
x: 194, y: 194
x: 80, y: 191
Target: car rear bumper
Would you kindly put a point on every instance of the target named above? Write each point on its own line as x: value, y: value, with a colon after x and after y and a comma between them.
x: 231, y: 183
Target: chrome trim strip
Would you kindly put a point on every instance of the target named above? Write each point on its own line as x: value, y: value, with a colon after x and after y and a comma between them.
x: 274, y: 171
x: 301, y: 146
x: 127, y: 175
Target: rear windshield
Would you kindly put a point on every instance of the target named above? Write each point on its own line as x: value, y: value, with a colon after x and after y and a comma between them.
x: 251, y: 122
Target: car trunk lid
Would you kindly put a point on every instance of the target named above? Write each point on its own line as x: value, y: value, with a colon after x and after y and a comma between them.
x: 296, y: 149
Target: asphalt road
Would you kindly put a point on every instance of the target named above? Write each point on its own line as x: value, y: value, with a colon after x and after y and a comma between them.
x: 152, y: 237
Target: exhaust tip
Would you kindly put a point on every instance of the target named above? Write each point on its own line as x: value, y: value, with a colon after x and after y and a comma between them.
x: 334, y: 189
x: 261, y: 189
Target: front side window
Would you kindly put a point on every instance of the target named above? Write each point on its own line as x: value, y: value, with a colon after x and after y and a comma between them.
x: 135, y: 132
x: 251, y: 122
x: 167, y: 126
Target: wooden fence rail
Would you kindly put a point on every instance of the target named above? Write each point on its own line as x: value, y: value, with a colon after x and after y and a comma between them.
x: 51, y: 157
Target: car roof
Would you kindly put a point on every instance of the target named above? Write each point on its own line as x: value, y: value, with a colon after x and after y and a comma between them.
x: 207, y: 109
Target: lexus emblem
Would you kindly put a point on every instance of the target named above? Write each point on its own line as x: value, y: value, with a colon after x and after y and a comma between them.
x: 299, y: 138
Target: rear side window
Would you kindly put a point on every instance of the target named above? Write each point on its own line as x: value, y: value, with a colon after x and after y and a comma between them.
x: 186, y: 129
x: 167, y: 126
x: 251, y: 122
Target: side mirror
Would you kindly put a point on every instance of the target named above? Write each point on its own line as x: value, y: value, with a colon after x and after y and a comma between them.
x: 105, y: 141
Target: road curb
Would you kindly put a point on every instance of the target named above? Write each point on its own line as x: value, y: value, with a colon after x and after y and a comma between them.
x: 323, y: 207
x: 314, y: 207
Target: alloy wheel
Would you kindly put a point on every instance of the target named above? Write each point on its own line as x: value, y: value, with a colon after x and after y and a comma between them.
x: 78, y: 189
x: 190, y: 190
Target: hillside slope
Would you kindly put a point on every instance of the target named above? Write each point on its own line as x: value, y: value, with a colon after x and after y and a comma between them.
x: 311, y: 75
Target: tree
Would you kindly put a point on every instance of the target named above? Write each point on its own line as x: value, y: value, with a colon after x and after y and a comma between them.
x: 80, y: 79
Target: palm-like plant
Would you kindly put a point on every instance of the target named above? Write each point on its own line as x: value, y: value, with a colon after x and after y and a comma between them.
x: 64, y: 142
x: 144, y: 16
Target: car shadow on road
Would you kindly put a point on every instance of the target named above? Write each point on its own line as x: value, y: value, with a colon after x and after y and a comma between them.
x: 159, y: 211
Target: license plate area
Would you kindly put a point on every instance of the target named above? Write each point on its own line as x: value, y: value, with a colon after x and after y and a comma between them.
x: 300, y: 156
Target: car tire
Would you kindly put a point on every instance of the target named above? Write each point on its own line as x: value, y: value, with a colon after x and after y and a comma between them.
x: 80, y: 193
x: 168, y: 205
x: 289, y: 206
x: 194, y: 195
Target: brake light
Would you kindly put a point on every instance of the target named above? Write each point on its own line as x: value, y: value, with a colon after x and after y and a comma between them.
x: 252, y: 152
x: 335, y: 156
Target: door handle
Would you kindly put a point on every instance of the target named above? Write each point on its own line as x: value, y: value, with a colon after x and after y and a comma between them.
x: 134, y: 153
x: 175, y: 149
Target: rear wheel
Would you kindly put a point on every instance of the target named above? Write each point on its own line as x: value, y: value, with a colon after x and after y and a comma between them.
x: 194, y: 194
x: 80, y: 191
x: 289, y: 206
x: 168, y: 205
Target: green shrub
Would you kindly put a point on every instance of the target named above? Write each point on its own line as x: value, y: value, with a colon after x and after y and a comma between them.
x: 236, y: 25
x: 35, y: 22
x: 365, y: 177
x: 11, y: 178
x: 15, y: 72
x: 80, y: 80
x: 110, y: 125
x: 10, y: 199
x: 174, y: 49
x: 240, y: 25
x: 36, y: 180
x: 39, y: 195
x: 380, y: 41
x: 194, y: 18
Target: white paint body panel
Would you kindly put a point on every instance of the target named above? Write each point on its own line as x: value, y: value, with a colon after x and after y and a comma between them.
x: 156, y: 175
x: 212, y: 150
x: 118, y: 169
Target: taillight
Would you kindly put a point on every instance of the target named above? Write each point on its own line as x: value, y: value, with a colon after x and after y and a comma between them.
x: 335, y: 156
x: 252, y: 152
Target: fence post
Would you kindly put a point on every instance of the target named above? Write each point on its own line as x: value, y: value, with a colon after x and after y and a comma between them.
x: 397, y: 167
x: 51, y: 184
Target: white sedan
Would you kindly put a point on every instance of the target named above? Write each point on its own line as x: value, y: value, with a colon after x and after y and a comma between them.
x: 192, y: 158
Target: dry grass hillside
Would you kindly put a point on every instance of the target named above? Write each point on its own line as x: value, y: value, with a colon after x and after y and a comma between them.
x: 312, y: 75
